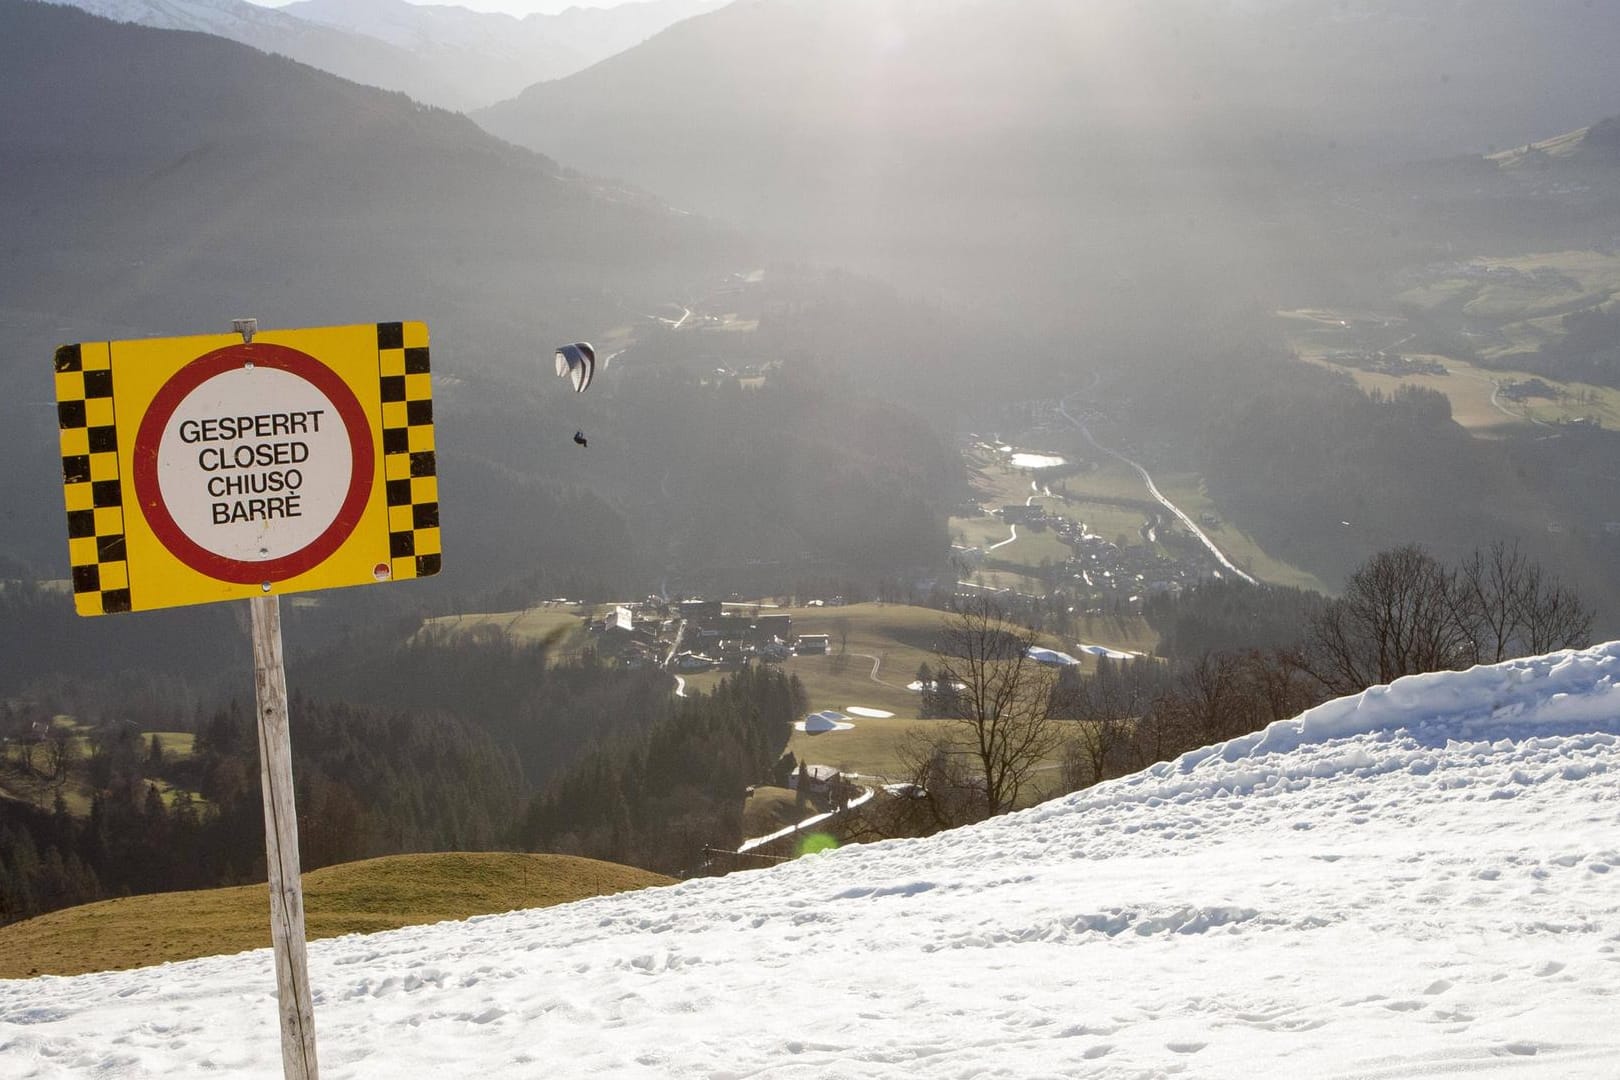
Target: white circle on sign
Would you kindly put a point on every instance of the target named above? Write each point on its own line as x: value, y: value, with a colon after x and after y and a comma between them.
x: 254, y: 464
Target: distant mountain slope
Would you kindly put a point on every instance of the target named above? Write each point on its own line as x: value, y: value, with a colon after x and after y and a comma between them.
x: 1043, y: 153
x: 1552, y: 193
x: 488, y: 57
x: 189, y: 180
x: 365, y: 59
x: 1597, y: 146
x: 1416, y: 881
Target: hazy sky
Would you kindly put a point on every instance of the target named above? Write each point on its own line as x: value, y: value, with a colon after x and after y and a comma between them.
x: 511, y: 7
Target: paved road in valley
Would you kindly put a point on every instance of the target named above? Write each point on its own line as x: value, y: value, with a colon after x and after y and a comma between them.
x: 1153, y: 490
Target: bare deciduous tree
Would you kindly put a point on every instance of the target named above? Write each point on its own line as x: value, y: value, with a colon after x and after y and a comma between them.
x: 1512, y: 608
x: 1278, y: 684
x: 1403, y: 613
x: 60, y: 751
x: 1103, y: 709
x: 999, y: 727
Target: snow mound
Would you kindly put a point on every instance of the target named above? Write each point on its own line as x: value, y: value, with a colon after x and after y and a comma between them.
x: 1051, y: 657
x: 1027, y: 460
x: 1105, y: 651
x: 1416, y: 723
x: 870, y: 714
x: 826, y: 720
x: 1575, y: 690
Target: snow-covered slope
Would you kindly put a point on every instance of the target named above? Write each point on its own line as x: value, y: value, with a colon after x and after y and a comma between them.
x: 223, y: 18
x: 1422, y: 880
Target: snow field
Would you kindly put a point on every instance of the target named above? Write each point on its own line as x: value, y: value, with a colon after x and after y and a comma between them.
x: 1422, y: 880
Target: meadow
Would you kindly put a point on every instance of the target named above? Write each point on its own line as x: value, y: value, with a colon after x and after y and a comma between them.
x: 559, y: 624
x: 351, y: 898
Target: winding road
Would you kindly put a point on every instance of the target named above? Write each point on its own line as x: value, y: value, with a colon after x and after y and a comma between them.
x: 1153, y: 490
x: 877, y: 662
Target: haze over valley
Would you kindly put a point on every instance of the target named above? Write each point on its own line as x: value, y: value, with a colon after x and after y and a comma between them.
x: 1204, y: 361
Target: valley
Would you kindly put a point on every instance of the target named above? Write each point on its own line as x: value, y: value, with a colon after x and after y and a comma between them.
x: 1013, y: 426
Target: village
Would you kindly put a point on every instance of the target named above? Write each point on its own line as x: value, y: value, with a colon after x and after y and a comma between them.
x: 1104, y: 576
x: 689, y: 636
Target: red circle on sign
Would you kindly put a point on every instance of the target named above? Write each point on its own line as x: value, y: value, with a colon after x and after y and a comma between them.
x: 168, y: 399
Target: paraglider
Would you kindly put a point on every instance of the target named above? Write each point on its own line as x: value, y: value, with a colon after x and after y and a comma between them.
x: 577, y: 362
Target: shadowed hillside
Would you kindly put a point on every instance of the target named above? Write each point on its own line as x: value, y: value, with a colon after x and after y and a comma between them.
x: 159, y: 182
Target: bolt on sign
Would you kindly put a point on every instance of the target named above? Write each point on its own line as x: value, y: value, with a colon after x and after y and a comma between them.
x: 207, y: 468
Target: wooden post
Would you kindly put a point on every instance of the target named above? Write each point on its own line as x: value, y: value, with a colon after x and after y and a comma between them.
x: 281, y: 844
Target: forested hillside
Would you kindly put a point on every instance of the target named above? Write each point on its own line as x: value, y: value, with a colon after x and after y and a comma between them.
x: 465, y: 744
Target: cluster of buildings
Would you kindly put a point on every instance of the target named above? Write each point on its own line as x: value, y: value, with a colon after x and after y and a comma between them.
x: 1102, y: 573
x: 1525, y: 389
x: 1387, y: 362
x: 1106, y: 573
x: 699, y: 635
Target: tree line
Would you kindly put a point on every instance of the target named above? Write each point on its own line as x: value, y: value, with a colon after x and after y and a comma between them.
x: 1018, y: 731
x: 625, y: 772
x: 655, y: 801
x: 369, y: 781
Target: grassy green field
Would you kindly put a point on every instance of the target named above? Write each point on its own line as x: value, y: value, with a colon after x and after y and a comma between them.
x: 873, y: 751
x: 996, y: 579
x: 1108, y: 520
x: 362, y: 897
x: 771, y: 808
x: 41, y: 791
x: 898, y: 637
x: 1111, y: 479
x: 1524, y: 297
x: 177, y: 745
x: 1031, y: 548
x: 35, y: 787
x: 996, y: 485
x: 977, y: 531
x: 1470, y: 389
x: 1186, y: 490
x: 871, y: 748
x: 563, y: 626
x: 1086, y: 497
x: 1524, y: 287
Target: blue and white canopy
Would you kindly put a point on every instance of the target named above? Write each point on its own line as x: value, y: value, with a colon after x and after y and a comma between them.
x: 578, y: 363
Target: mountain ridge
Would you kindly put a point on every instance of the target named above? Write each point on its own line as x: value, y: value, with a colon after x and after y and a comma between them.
x: 1076, y: 158
x: 195, y: 180
x: 360, y: 58
x: 440, y: 54
x: 491, y: 56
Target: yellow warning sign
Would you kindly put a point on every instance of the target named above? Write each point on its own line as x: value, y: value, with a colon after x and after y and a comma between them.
x: 207, y: 468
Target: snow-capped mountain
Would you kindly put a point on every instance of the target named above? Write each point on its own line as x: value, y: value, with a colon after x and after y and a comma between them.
x: 224, y: 18
x: 439, y: 54
x: 354, y: 56
x: 492, y: 56
x: 1414, y: 881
